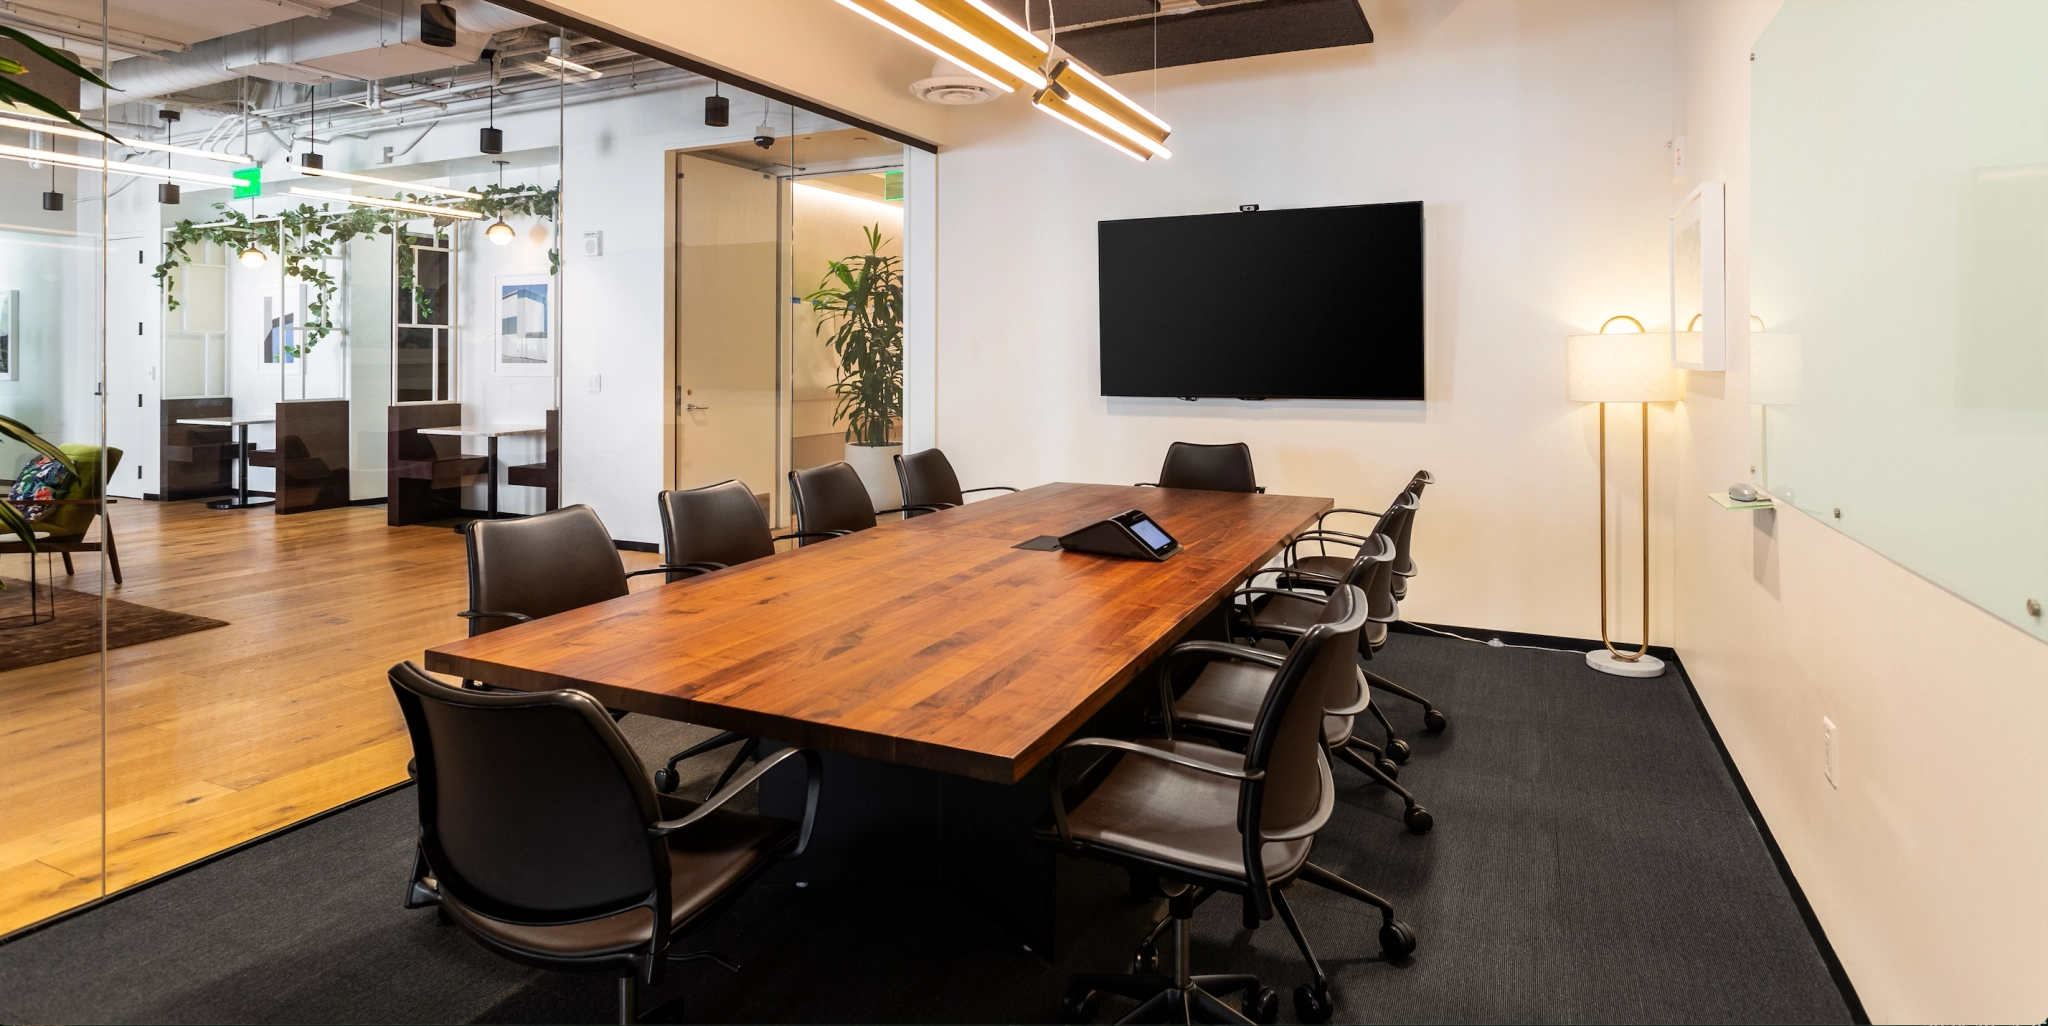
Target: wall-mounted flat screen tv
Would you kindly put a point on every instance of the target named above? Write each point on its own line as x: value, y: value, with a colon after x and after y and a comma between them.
x: 1319, y: 303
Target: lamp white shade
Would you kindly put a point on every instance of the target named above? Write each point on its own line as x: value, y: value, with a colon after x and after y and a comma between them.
x: 1777, y: 368
x: 1621, y: 368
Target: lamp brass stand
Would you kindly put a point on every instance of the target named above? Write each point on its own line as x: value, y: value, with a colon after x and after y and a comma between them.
x: 1639, y: 663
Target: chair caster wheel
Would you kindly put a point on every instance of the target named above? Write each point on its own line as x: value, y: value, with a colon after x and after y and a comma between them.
x: 1399, y: 749
x: 1434, y: 721
x: 1389, y: 767
x: 1080, y: 1007
x: 1261, y: 1006
x: 1396, y: 939
x: 1418, y: 819
x: 665, y: 780
x: 1146, y: 963
x: 1312, y: 1004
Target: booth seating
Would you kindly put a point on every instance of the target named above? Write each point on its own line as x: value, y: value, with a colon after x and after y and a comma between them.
x: 426, y: 472
x: 198, y: 460
x: 548, y: 473
x: 311, y: 458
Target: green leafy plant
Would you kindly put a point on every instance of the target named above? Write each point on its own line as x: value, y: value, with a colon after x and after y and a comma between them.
x: 10, y: 517
x: 305, y: 236
x: 861, y: 298
x: 14, y: 92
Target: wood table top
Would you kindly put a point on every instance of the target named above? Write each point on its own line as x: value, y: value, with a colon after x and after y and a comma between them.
x: 931, y: 642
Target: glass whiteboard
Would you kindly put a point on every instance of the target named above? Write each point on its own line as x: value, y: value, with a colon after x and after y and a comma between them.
x: 1900, y: 267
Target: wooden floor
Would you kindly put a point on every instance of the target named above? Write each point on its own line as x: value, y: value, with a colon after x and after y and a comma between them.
x: 212, y: 738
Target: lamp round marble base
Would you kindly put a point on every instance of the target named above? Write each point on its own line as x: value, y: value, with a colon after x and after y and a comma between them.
x: 1604, y: 661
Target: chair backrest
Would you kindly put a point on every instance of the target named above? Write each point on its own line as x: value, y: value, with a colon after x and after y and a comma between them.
x: 1286, y: 739
x: 541, y: 565
x: 1381, y: 594
x: 719, y: 523
x: 1217, y: 468
x: 533, y: 808
x: 928, y: 479
x: 830, y: 498
x: 1404, y: 564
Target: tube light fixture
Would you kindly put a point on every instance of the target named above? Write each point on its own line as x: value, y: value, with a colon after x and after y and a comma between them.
x: 1094, y: 99
x: 389, y: 204
x: 8, y: 119
x: 26, y: 155
x: 969, y: 33
x: 569, y: 65
x: 1051, y: 102
x: 321, y: 172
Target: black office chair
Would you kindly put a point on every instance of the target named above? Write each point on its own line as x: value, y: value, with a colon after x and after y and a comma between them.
x: 1223, y: 701
x: 1216, y: 468
x: 541, y: 839
x: 1203, y: 820
x: 831, y: 500
x: 704, y: 530
x: 1433, y: 719
x: 715, y: 527
x: 928, y: 480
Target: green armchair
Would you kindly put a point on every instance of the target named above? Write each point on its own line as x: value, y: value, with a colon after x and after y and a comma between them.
x: 67, y: 519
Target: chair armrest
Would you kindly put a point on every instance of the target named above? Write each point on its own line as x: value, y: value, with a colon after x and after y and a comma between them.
x: 1146, y: 484
x: 791, y: 536
x: 927, y: 508
x: 676, y: 568
x: 1346, y: 509
x: 1059, y: 802
x: 1209, y: 650
x: 1305, y: 596
x: 814, y: 769
x: 990, y: 488
x: 478, y: 614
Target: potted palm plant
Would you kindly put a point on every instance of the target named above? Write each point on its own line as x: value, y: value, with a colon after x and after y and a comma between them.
x: 860, y: 299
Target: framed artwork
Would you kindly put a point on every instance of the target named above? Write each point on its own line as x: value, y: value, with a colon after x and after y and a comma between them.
x: 1699, y: 281
x: 525, y: 342
x: 10, y: 335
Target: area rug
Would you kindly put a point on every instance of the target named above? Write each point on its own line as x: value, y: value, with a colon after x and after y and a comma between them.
x: 76, y: 629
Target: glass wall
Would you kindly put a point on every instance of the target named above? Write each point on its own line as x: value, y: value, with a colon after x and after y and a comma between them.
x: 532, y: 275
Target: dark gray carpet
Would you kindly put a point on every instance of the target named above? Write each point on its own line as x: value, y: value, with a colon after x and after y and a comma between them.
x: 1592, y: 862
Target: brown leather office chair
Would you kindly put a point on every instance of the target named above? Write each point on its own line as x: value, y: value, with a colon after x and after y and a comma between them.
x: 704, y: 530
x: 928, y: 480
x: 1216, y: 468
x: 831, y: 501
x: 1433, y: 719
x: 1204, y: 820
x: 1223, y: 701
x: 715, y: 527
x: 541, y: 839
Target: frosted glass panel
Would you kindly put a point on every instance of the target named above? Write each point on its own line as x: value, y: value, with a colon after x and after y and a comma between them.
x: 1900, y: 227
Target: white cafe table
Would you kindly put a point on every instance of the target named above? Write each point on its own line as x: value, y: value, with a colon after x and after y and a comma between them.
x: 490, y: 436
x: 241, y: 426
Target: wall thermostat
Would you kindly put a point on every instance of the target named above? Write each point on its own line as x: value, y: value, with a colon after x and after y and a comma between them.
x: 593, y: 243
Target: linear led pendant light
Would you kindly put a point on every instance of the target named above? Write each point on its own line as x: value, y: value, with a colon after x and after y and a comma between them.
x: 389, y: 204
x: 321, y: 172
x: 969, y: 33
x: 26, y: 155
x: 1076, y: 96
x: 9, y: 119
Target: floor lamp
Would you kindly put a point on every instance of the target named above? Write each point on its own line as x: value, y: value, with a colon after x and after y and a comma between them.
x: 1622, y: 367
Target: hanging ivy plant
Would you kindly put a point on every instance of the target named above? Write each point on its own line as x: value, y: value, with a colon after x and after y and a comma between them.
x: 305, y: 236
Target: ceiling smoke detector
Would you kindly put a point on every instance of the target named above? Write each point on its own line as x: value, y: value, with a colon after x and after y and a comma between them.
x: 952, y: 85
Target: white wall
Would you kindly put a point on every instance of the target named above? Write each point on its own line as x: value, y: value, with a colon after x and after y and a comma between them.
x: 1535, y: 135
x: 1925, y: 865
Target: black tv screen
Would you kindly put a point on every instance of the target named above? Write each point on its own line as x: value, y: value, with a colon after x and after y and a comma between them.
x: 1321, y: 303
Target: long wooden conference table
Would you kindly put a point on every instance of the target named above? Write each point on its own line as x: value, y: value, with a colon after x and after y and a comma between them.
x: 934, y: 662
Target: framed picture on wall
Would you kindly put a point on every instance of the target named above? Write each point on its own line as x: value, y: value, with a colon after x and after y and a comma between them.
x: 1699, y: 281
x: 10, y: 335
x: 525, y: 342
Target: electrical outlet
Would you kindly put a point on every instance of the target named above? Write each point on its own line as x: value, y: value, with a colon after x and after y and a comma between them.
x: 1831, y: 751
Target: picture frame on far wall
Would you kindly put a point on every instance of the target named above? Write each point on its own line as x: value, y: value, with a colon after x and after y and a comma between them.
x: 524, y: 313
x: 1699, y: 280
x: 10, y: 335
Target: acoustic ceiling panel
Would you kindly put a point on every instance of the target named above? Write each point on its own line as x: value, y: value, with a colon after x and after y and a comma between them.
x: 1117, y: 36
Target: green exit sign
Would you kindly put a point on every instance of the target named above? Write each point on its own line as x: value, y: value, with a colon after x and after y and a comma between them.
x: 251, y: 179
x: 892, y: 185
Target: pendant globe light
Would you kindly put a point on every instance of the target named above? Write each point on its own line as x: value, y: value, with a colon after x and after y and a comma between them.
x: 499, y: 232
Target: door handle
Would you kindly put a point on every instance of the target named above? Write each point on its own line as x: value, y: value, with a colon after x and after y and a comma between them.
x: 694, y: 406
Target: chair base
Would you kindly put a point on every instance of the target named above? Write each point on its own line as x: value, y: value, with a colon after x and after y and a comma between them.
x: 1161, y: 1000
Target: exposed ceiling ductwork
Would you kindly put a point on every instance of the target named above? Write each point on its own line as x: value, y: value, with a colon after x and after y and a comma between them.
x: 367, y: 41
x: 1118, y: 36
